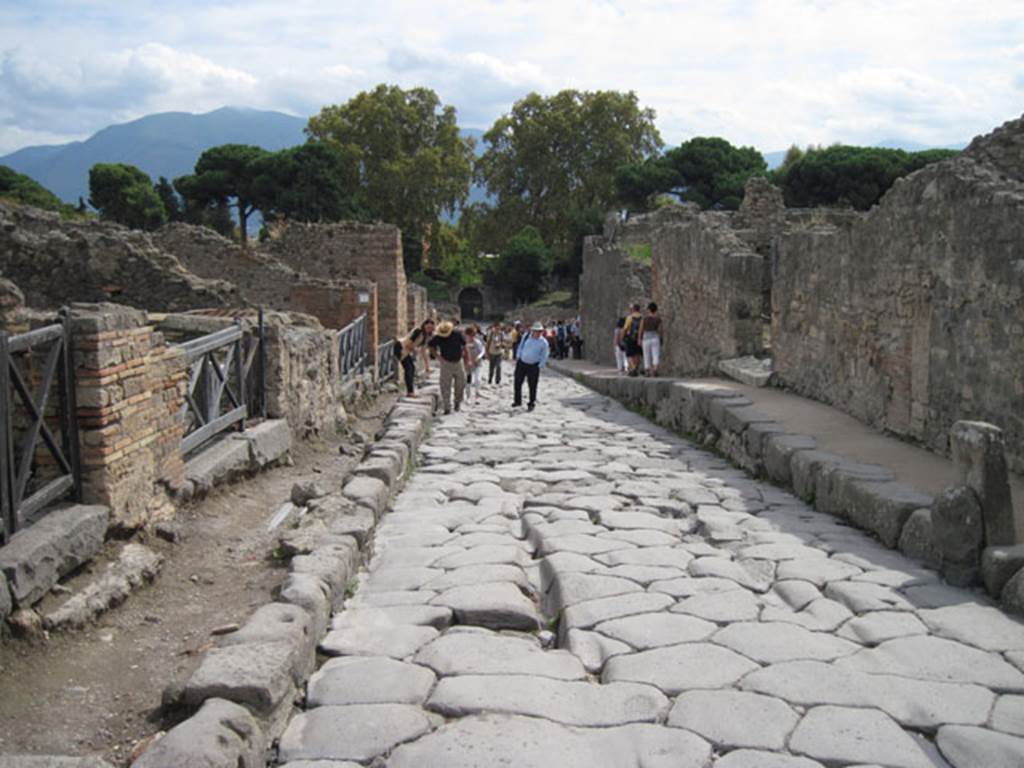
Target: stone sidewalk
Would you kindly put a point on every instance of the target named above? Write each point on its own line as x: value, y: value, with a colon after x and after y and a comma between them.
x: 578, y: 587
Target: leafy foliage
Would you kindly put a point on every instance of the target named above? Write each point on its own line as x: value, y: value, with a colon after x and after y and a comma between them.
x: 225, y: 175
x: 409, y: 161
x: 551, y: 164
x: 316, y: 181
x: 170, y: 199
x: 26, y: 190
x: 849, y: 176
x: 524, y: 264
x: 124, y: 194
x: 451, y: 254
x: 708, y: 171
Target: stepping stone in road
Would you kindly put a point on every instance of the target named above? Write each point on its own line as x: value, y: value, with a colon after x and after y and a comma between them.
x: 735, y: 719
x: 495, y: 605
x: 472, y: 651
x: 569, y: 702
x: 369, y: 680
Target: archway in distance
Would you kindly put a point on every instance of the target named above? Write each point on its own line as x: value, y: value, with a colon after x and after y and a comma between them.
x: 471, y: 303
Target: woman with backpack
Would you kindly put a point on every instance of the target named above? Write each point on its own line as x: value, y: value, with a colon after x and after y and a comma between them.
x: 631, y: 340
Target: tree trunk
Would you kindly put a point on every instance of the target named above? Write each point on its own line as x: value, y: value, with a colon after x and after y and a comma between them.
x: 243, y: 223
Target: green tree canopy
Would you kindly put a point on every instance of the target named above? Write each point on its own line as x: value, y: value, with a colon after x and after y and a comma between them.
x: 172, y: 202
x: 26, y: 190
x: 226, y: 173
x: 708, y: 171
x: 315, y: 181
x: 849, y: 176
x: 524, y: 264
x: 410, y: 162
x: 551, y: 164
x: 124, y: 194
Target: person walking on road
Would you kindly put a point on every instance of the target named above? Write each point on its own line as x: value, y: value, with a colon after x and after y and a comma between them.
x: 451, y: 347
x: 532, y: 356
x: 475, y: 353
x: 650, y: 339
x: 405, y: 351
x: 620, y: 347
x: 495, y: 350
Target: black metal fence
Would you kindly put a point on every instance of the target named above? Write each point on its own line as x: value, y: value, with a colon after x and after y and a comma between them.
x: 37, y: 467
x: 387, y: 363
x: 226, y: 383
x: 352, y: 347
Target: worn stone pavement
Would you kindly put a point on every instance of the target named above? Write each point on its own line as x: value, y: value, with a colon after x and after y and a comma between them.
x: 577, y: 587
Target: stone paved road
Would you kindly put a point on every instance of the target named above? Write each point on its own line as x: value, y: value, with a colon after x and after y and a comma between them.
x: 577, y: 587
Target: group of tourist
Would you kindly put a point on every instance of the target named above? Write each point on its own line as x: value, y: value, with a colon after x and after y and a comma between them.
x: 638, y: 339
x: 460, y: 353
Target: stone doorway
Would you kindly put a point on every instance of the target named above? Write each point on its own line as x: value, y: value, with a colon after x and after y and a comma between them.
x: 471, y: 303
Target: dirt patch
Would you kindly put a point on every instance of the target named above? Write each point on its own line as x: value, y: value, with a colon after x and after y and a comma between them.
x: 97, y: 692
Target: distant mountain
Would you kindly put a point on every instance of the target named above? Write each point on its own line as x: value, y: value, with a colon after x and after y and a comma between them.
x: 166, y: 144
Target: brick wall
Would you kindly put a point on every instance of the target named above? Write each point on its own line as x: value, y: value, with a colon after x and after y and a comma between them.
x: 130, y: 388
x: 349, y: 250
x: 417, y: 306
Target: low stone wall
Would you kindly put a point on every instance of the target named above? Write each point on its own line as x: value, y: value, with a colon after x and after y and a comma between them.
x: 55, y: 262
x: 243, y: 691
x: 710, y: 286
x: 911, y: 317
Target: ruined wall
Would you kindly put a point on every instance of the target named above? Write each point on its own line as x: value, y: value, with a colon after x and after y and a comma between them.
x: 346, y: 250
x: 912, y: 316
x: 762, y: 214
x: 56, y: 262
x: 417, y: 306
x: 130, y: 386
x: 710, y: 287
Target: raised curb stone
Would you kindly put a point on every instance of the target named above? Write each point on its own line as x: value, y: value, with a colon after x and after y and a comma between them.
x: 220, y: 735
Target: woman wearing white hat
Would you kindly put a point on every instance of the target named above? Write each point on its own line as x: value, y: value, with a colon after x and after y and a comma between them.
x: 532, y: 356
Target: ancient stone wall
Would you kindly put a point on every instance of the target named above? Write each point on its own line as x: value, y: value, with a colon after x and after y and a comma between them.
x: 130, y: 387
x: 710, y: 286
x: 911, y: 317
x: 345, y: 250
x: 56, y: 262
x: 417, y: 306
x: 762, y: 214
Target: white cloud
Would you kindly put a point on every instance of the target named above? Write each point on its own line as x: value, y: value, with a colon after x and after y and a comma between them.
x: 761, y: 72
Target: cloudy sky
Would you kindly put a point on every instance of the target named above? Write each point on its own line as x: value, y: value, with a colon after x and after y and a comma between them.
x: 762, y: 72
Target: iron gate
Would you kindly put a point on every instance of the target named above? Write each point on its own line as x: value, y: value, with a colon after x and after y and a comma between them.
x: 37, y: 467
x: 352, y: 352
x: 387, y: 363
x: 226, y: 382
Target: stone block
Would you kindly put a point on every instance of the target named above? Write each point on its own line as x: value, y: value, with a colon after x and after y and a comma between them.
x: 220, y: 735
x: 334, y: 565
x: 806, y: 467
x: 218, y: 462
x: 999, y: 564
x: 383, y: 467
x: 755, y: 436
x: 959, y: 534
x: 51, y: 761
x: 884, y: 508
x: 778, y: 453
x: 748, y: 370
x: 368, y: 492
x: 1012, y: 596
x: 739, y: 418
x: 256, y: 675
x: 832, y: 489
x: 313, y: 596
x: 705, y: 394
x: 36, y: 557
x: 917, y: 540
x: 284, y: 623
x: 979, y: 453
x: 268, y: 442
x: 358, y: 524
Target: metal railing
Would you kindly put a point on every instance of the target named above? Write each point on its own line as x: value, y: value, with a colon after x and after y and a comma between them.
x: 387, y: 363
x: 352, y: 347
x: 226, y: 382
x: 38, y: 467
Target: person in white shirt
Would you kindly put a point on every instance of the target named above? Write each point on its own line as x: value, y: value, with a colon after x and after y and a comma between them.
x: 475, y: 353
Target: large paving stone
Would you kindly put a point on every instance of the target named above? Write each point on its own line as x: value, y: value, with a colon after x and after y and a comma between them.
x: 435, y: 616
x: 817, y: 571
x: 735, y: 719
x: 496, y: 606
x: 878, y: 626
x: 984, y: 627
x: 475, y: 575
x: 674, y: 557
x: 914, y: 703
x: 398, y: 642
x: 359, y: 732
x: 488, y: 554
x: 220, y: 734
x: 837, y: 735
x: 481, y: 652
x: 753, y: 574
x: 392, y: 579
x: 933, y: 658
x: 752, y: 758
x: 568, y: 702
x: 656, y: 630
x: 593, y: 649
x: 821, y: 615
x: 1008, y: 715
x: 724, y: 607
x: 569, y: 589
x: 369, y: 680
x: 36, y: 557
x: 772, y: 642
x: 966, y: 747
x: 861, y: 597
x: 679, y: 668
x: 592, y: 612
